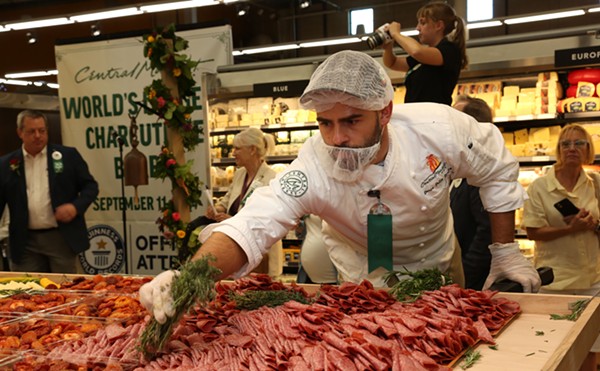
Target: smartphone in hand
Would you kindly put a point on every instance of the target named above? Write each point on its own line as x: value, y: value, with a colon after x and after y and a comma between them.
x: 566, y: 207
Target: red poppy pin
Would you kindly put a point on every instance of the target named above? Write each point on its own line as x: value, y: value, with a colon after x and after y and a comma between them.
x: 14, y: 165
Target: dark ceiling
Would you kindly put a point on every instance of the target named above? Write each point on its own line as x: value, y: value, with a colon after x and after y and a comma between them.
x: 268, y: 22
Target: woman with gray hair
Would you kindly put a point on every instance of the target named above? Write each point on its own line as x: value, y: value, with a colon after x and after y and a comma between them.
x: 250, y: 147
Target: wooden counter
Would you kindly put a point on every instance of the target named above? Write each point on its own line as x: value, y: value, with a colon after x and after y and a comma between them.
x: 521, y: 346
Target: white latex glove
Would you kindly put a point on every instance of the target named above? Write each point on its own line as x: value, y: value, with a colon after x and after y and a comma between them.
x: 156, y: 296
x: 508, y: 262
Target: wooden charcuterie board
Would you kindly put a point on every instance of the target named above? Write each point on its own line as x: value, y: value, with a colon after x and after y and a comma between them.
x: 521, y: 346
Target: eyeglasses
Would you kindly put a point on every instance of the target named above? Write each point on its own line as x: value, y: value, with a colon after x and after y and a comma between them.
x: 579, y: 143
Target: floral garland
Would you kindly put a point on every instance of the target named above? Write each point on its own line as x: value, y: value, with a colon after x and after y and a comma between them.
x: 175, y: 112
x: 176, y: 115
x: 163, y: 57
x: 181, y: 175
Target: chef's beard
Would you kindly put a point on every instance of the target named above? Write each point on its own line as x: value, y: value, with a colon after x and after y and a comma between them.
x: 347, y: 164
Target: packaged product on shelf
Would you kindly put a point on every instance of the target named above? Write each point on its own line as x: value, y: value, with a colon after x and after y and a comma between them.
x: 585, y: 89
x: 399, y: 94
x: 290, y: 116
x: 594, y: 131
x: 284, y: 104
x: 278, y: 168
x: 236, y: 108
x: 261, y: 105
x: 302, y: 116
x: 217, y: 115
x: 299, y: 136
x: 521, y: 136
x: 492, y: 98
x: 509, y: 138
x: 548, y: 93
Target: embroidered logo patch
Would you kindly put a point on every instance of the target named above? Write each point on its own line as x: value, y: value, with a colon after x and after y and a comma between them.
x: 440, y: 174
x: 294, y: 183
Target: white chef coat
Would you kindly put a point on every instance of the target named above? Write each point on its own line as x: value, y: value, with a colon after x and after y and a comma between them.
x: 430, y: 145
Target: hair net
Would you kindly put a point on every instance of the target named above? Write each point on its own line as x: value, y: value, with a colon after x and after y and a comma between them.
x: 351, y: 78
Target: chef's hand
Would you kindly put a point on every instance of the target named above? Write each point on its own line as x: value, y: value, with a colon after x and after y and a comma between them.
x: 156, y: 296
x: 508, y: 262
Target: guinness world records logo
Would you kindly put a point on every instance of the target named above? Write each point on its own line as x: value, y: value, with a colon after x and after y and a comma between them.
x: 106, y: 253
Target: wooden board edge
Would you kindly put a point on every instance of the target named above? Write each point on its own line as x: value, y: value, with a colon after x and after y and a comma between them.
x: 578, y: 342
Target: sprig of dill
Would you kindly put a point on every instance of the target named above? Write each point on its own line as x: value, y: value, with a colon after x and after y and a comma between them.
x: 471, y: 357
x: 194, y: 284
x: 409, y: 289
x: 576, y: 307
x: 255, y: 299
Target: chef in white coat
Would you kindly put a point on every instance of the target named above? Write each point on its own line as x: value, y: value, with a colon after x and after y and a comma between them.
x: 406, y: 155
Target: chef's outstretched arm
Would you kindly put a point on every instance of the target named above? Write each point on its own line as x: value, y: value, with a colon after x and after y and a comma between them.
x: 230, y: 257
x: 507, y: 259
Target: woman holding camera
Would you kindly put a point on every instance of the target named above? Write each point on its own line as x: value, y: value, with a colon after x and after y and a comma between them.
x: 433, y: 65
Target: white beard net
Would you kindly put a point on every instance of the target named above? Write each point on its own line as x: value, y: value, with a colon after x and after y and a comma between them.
x: 351, y: 78
x: 345, y: 164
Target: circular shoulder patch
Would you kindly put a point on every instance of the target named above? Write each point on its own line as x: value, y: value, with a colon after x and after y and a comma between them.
x: 294, y: 183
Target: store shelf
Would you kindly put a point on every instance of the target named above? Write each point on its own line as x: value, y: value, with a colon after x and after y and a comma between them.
x: 267, y: 128
x: 269, y: 159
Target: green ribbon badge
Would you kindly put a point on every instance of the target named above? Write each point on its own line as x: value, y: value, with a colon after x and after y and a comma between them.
x: 57, y: 162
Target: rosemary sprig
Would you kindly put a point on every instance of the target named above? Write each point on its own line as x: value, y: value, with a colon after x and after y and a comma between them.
x: 255, y: 299
x: 410, y: 289
x: 576, y: 307
x: 194, y: 284
x: 471, y: 357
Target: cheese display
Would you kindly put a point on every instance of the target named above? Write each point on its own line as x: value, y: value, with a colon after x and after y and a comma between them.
x: 548, y: 92
x: 585, y: 89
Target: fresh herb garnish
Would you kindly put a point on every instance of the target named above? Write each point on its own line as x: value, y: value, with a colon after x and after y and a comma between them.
x: 410, y: 288
x: 530, y: 354
x: 471, y: 357
x: 194, y: 284
x: 255, y: 299
x: 493, y: 347
x: 576, y: 307
x: 539, y: 333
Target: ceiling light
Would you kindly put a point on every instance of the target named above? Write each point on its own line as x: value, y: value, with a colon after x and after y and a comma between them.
x: 15, y: 82
x: 267, y: 49
x: 22, y: 75
x: 95, y: 30
x: 348, y: 40
x: 593, y: 10
x: 31, y: 39
x: 487, y: 24
x: 176, y: 5
x: 242, y: 10
x: 38, y: 24
x: 106, y: 15
x: 544, y: 17
x: 410, y: 33
x: 304, y: 4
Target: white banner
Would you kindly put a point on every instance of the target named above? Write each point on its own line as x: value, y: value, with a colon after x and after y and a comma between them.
x: 100, y: 82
